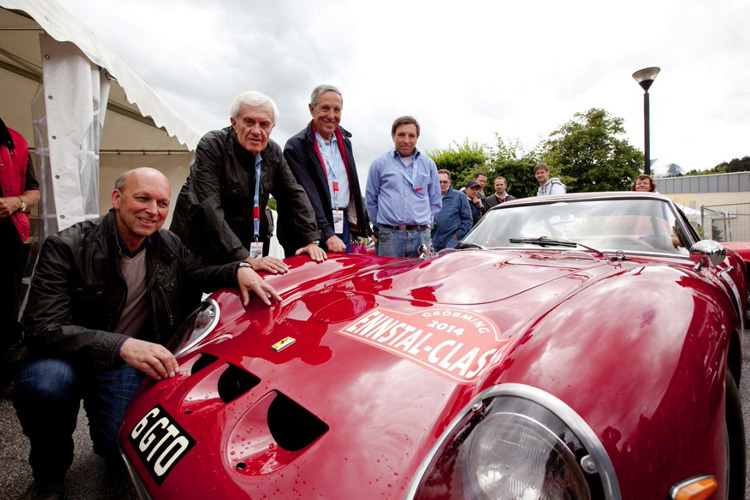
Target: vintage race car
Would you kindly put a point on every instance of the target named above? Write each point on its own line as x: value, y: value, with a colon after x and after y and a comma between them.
x: 571, y: 347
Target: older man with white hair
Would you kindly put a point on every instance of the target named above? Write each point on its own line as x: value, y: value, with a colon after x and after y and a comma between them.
x: 220, y: 212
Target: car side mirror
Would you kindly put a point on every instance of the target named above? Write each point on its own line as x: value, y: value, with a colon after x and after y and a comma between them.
x: 707, y: 251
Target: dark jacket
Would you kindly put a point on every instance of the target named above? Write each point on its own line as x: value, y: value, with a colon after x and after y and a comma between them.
x: 492, y: 200
x: 307, y: 166
x: 454, y: 219
x: 77, y: 292
x: 214, y: 211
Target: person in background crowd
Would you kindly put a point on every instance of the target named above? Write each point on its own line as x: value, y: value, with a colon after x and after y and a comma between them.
x: 19, y: 190
x: 644, y: 183
x: 500, y: 195
x: 471, y: 193
x: 321, y: 159
x: 454, y: 220
x: 218, y: 211
x: 403, y: 193
x: 547, y: 186
x: 478, y: 200
x: 105, y: 299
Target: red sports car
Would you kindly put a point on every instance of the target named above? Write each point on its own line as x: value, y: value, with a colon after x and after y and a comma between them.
x: 571, y: 347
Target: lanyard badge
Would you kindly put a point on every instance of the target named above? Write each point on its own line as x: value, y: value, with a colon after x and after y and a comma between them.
x: 256, y: 247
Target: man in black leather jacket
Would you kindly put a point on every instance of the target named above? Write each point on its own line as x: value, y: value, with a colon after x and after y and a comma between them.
x: 106, y: 296
x: 219, y: 211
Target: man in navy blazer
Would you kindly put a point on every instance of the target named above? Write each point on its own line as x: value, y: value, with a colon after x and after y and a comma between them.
x: 320, y: 157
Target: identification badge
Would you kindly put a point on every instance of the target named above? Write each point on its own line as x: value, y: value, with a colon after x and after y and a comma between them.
x: 256, y: 250
x: 338, y: 221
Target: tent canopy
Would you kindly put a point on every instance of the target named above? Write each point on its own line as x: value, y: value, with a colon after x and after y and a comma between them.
x: 139, y: 129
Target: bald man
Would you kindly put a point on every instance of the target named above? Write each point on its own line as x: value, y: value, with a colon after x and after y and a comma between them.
x: 106, y: 296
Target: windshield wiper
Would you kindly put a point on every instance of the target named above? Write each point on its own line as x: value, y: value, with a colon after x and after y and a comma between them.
x: 467, y: 244
x: 558, y: 242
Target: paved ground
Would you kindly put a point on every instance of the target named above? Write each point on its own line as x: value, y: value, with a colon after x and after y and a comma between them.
x: 91, y: 479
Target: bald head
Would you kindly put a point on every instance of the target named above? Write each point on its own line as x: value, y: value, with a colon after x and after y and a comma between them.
x: 141, y: 202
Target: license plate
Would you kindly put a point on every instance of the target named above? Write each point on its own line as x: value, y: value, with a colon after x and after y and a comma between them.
x: 159, y: 442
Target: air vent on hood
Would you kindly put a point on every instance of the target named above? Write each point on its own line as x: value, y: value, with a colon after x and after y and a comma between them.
x: 235, y: 382
x: 292, y: 426
x: 202, y: 362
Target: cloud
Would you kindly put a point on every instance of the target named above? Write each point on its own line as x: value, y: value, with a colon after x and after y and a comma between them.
x: 468, y: 70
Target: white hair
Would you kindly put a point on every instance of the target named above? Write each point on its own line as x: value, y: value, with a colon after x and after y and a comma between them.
x: 254, y: 99
x: 322, y: 89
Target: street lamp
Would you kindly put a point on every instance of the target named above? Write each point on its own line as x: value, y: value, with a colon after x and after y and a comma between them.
x: 645, y: 77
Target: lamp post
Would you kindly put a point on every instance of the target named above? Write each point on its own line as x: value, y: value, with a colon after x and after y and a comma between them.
x: 645, y: 77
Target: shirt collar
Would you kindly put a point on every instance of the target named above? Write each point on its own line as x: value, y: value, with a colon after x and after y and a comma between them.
x: 334, y: 141
x: 414, y: 156
x: 125, y: 250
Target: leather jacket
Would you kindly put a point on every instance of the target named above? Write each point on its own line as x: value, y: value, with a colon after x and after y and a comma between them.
x: 77, y: 293
x: 214, y: 211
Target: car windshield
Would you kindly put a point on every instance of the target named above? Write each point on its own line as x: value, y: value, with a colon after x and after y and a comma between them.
x: 630, y: 225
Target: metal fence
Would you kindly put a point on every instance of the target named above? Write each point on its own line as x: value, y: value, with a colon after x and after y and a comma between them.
x: 726, y: 222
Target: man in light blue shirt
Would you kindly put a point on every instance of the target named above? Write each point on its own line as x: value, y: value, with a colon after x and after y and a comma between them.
x: 403, y: 193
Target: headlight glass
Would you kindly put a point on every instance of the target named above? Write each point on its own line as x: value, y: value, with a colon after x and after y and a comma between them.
x: 515, y: 457
x: 512, y: 448
x: 196, y: 327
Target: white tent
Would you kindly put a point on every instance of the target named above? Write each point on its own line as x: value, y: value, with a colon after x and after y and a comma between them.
x: 693, y: 215
x: 53, y: 64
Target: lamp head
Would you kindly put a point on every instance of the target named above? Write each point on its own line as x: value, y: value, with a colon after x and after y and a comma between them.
x: 646, y: 76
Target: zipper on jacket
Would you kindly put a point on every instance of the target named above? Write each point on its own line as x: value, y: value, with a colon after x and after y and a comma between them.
x: 163, y: 296
x: 166, y: 304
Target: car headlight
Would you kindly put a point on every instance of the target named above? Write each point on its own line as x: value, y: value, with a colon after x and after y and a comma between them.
x: 516, y: 442
x: 196, y: 327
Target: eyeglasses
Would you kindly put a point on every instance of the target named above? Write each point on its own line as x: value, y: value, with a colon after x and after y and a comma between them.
x: 445, y: 182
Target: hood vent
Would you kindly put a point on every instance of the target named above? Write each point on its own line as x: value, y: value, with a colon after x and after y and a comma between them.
x: 235, y: 382
x: 292, y: 426
x: 202, y: 362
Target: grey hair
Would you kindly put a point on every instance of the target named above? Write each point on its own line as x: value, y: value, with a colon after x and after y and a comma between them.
x: 322, y: 89
x: 254, y: 99
x: 121, y: 180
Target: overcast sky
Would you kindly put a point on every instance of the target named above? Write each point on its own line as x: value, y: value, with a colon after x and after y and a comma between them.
x: 464, y: 69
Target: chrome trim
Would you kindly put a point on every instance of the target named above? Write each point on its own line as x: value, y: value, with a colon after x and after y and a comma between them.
x: 676, y: 488
x: 215, y: 321
x: 724, y: 273
x: 587, y: 436
x: 710, y: 249
x: 140, y: 488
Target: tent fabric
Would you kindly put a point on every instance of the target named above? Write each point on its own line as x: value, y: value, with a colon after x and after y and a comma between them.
x: 54, y: 93
x: 62, y: 26
x: 75, y: 118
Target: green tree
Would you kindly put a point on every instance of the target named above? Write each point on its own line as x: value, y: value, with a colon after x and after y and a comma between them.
x: 735, y: 165
x: 592, y: 154
x: 510, y: 161
x: 461, y: 160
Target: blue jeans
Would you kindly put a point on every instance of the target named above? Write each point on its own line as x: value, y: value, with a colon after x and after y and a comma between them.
x: 47, y: 395
x: 398, y: 243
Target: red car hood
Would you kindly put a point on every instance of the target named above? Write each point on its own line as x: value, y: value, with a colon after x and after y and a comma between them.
x: 384, y: 355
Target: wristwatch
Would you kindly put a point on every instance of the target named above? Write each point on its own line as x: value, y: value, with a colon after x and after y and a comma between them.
x: 245, y: 264
x: 23, y: 205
